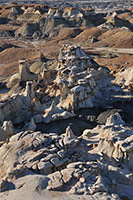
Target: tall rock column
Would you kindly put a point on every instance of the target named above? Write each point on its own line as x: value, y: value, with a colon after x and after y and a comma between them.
x: 24, y: 73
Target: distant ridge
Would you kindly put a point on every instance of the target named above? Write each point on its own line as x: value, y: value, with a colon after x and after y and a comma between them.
x: 104, y: 5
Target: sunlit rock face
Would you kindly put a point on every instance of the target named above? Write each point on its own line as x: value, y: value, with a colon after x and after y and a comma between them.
x: 23, y: 75
x: 78, y: 79
x: 6, y: 131
x: 24, y: 71
x: 116, y: 141
x: 72, y: 77
x: 115, y: 22
x: 124, y: 78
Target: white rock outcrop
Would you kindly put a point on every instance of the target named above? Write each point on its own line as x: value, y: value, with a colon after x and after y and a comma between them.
x: 53, y: 113
x: 24, y: 72
x: 114, y: 119
x: 124, y: 78
x: 77, y: 80
x: 6, y: 131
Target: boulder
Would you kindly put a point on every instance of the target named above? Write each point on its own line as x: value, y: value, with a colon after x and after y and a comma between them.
x: 30, y: 126
x: 102, y: 117
x: 45, y: 167
x: 6, y: 131
x: 115, y: 119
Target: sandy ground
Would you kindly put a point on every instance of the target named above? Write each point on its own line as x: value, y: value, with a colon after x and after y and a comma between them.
x: 112, y: 50
x: 46, y: 195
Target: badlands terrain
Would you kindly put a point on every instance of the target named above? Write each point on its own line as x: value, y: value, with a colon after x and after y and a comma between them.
x: 66, y: 102
x: 98, y: 5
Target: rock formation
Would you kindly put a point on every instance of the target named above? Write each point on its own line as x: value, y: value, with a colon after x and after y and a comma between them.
x: 115, y: 22
x: 95, y: 163
x: 53, y: 113
x: 51, y: 21
x: 75, y: 81
x: 124, y: 78
x: 24, y: 72
x: 6, y: 131
x: 78, y: 79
